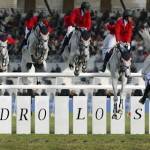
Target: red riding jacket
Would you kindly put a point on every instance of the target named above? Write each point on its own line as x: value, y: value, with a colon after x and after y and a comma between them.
x: 123, y: 32
x: 31, y: 23
x: 111, y: 28
x: 76, y: 19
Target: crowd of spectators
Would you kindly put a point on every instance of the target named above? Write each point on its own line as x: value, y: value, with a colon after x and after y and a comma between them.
x: 12, y: 22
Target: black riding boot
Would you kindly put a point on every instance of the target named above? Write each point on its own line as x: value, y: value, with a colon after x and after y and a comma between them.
x: 147, y: 90
x: 106, y: 59
x: 24, y: 42
x: 65, y: 43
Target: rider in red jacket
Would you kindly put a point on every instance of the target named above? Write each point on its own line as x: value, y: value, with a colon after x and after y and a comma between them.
x: 124, y: 29
x: 80, y: 18
x: 123, y: 33
x: 10, y: 40
x: 31, y: 22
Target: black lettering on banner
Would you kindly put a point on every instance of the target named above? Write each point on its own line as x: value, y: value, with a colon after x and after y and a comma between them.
x: 99, y: 117
x: 137, y: 111
x: 4, y: 111
x: 79, y: 117
x: 24, y: 112
x: 39, y: 114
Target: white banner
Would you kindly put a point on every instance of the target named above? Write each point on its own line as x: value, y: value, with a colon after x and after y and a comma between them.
x: 5, y: 115
x: 61, y: 115
x: 80, y: 115
x: 42, y: 115
x: 23, y: 115
x: 118, y: 125
x: 137, y: 116
x: 99, y: 115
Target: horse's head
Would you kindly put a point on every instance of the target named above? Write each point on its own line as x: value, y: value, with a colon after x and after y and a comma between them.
x: 43, y: 36
x: 41, y: 44
x: 125, y: 59
x: 4, y: 59
x: 3, y: 47
x: 84, y: 41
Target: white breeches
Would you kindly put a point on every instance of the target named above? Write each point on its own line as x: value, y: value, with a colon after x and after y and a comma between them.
x: 69, y: 30
x: 109, y: 43
x: 26, y: 32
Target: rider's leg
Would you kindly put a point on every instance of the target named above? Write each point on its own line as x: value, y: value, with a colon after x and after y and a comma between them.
x: 67, y: 38
x: 25, y: 39
x: 147, y: 90
x: 106, y: 59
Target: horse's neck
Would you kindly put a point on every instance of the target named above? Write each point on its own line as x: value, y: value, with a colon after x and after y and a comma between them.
x: 115, y: 61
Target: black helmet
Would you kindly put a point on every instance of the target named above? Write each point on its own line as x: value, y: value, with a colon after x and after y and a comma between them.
x: 112, y: 20
x: 126, y: 14
x: 42, y: 15
x: 85, y: 6
x: 29, y: 14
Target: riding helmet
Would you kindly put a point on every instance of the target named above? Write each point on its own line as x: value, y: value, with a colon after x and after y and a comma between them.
x: 85, y: 6
x: 126, y: 14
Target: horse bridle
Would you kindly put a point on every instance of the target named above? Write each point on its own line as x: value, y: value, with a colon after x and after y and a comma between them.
x: 3, y: 57
x: 41, y: 42
x: 122, y: 66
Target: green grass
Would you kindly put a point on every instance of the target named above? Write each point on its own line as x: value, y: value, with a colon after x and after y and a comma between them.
x: 76, y: 142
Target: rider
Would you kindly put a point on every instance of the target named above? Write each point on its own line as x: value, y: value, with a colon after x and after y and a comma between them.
x: 109, y: 42
x: 123, y: 33
x: 42, y: 21
x: 5, y: 38
x: 32, y: 21
x: 78, y: 18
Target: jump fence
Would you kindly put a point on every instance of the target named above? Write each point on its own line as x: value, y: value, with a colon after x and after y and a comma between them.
x: 42, y: 113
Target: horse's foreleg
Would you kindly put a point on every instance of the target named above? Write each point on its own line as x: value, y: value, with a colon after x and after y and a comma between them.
x: 122, y: 91
x: 114, y: 85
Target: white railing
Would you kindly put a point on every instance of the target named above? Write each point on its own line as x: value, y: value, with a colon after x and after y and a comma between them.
x: 69, y: 75
x: 61, y: 74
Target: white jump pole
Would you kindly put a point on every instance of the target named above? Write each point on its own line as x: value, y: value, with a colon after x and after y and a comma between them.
x: 129, y: 87
x: 54, y: 75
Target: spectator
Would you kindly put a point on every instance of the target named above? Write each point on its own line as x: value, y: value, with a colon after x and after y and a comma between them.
x: 65, y: 92
x: 6, y: 93
x: 72, y: 93
x: 24, y: 93
x: 43, y: 93
x: 19, y: 93
x: 57, y: 92
x: 137, y: 92
x: 81, y: 93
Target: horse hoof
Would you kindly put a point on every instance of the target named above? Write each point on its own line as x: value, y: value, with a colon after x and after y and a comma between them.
x: 114, y: 116
x: 83, y: 70
x: 76, y: 73
x: 71, y: 66
x: 120, y: 111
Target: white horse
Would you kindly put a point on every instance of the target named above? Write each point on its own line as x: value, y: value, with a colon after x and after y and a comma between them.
x: 4, y: 59
x: 119, y: 65
x: 145, y: 33
x: 77, y: 53
x: 35, y: 53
